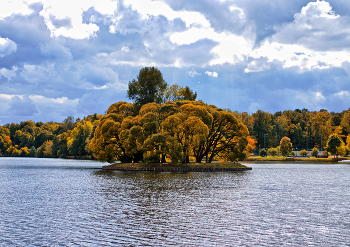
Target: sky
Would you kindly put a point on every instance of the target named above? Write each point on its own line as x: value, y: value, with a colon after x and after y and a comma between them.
x: 62, y: 58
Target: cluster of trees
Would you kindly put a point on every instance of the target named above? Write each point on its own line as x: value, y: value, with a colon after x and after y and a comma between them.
x: 167, y: 123
x: 172, y: 131
x: 49, y: 140
x: 305, y: 129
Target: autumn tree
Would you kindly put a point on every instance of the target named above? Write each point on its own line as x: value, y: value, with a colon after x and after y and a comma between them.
x: 174, y: 130
x: 303, y: 153
x: 285, y: 146
x: 77, y: 140
x: 333, y: 143
x: 107, y: 143
x: 148, y: 87
x: 314, y: 151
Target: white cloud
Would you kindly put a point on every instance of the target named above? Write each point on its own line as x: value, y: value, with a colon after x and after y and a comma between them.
x: 241, y: 14
x: 10, y: 7
x: 316, y: 39
x: 254, y: 66
x: 318, y: 96
x: 63, y: 18
x: 314, y: 11
x: 213, y: 74
x: 9, y: 73
x: 193, y: 73
x: 41, y: 100
x: 7, y: 46
x: 343, y: 94
x: 58, y: 12
x: 148, y: 8
x: 231, y: 48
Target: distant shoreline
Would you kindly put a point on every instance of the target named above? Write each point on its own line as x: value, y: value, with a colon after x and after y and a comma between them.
x: 258, y: 159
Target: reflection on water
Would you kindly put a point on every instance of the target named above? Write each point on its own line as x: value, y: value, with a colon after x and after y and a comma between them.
x: 47, y: 202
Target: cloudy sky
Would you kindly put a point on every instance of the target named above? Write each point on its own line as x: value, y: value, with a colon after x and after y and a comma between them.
x: 62, y: 58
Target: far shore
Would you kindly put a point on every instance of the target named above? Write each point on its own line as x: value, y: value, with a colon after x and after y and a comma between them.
x: 299, y: 159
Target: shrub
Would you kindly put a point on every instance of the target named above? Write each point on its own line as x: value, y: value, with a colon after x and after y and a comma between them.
x: 273, y: 151
x: 263, y: 152
x: 314, y: 151
x: 292, y: 153
x: 303, y: 153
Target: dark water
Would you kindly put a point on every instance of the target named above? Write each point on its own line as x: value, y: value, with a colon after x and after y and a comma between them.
x: 52, y: 202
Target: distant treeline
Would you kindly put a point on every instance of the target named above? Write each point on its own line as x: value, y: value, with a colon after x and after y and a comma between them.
x: 306, y: 129
x: 72, y: 137
x: 49, y: 140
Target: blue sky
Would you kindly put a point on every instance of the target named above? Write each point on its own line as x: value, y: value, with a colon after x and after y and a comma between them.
x: 62, y: 58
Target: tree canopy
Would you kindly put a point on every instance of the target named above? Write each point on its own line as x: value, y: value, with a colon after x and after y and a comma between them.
x: 148, y: 87
x: 173, y: 130
x: 333, y: 143
x: 285, y: 146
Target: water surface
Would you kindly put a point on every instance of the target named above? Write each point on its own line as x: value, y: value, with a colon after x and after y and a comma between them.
x: 46, y: 202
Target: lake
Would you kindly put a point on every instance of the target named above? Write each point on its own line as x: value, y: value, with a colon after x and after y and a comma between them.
x: 56, y: 202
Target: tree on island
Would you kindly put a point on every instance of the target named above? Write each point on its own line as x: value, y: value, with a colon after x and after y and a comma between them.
x: 148, y: 87
x: 285, y: 146
x: 178, y: 93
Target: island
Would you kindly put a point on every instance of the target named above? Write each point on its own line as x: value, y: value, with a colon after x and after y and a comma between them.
x: 187, y: 167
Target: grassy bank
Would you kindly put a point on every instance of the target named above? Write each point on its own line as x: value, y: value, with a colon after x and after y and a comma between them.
x: 294, y: 159
x: 189, y: 165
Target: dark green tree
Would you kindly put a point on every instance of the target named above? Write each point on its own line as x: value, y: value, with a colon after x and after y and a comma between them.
x: 55, y: 147
x: 187, y: 94
x: 333, y: 143
x: 148, y: 87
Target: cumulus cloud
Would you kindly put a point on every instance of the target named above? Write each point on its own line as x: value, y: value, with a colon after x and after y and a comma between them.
x: 317, y: 27
x: 318, y: 38
x: 7, y: 46
x: 9, y: 8
x: 148, y: 8
x: 271, y: 55
x: 9, y: 73
x: 21, y: 106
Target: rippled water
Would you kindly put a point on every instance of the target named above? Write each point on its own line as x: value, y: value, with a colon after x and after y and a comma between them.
x: 53, y: 202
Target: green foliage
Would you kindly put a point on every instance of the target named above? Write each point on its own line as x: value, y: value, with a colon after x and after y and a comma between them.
x: 303, y: 153
x: 32, y: 152
x: 187, y: 94
x: 148, y: 87
x: 314, y: 152
x: 333, y: 143
x: 263, y: 152
x: 55, y: 147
